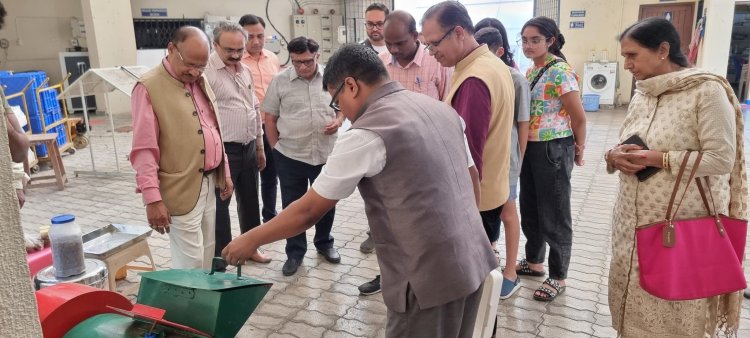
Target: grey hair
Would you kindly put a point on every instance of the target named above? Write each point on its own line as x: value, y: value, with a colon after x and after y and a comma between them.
x: 228, y: 27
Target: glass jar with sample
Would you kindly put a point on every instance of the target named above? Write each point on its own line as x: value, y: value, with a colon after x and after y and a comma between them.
x: 67, y: 246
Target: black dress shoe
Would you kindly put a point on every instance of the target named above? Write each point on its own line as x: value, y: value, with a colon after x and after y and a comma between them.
x: 290, y: 267
x: 331, y: 255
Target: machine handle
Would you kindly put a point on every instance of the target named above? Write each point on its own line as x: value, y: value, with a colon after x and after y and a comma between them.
x: 219, y: 259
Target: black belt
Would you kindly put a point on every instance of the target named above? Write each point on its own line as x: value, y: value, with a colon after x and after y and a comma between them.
x: 237, y: 145
x: 209, y: 172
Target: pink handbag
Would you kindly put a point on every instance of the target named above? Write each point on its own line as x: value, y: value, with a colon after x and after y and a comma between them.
x: 691, y: 258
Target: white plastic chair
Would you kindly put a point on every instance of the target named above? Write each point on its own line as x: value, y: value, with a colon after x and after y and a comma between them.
x: 488, y: 305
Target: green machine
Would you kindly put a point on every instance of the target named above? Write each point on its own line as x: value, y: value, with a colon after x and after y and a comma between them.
x: 182, y: 303
x: 116, y: 325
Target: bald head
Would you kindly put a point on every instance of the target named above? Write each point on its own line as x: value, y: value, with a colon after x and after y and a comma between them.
x: 402, y: 19
x: 400, y: 33
x: 188, y: 53
x: 184, y: 33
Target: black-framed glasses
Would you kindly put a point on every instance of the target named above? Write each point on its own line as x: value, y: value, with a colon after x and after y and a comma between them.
x: 334, y: 99
x: 432, y: 45
x: 190, y: 65
x: 307, y: 63
x: 371, y: 25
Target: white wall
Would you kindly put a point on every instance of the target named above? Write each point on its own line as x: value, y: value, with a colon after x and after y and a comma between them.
x: 37, y: 31
x: 18, y: 314
x: 606, y: 19
x: 280, y: 11
x: 111, y: 43
x: 714, y: 53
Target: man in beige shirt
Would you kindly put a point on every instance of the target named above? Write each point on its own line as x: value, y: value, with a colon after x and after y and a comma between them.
x: 301, y: 130
x: 240, y: 125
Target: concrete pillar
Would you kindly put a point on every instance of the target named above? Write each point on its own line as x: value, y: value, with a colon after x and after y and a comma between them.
x: 111, y: 42
x: 18, y: 313
x: 714, y: 53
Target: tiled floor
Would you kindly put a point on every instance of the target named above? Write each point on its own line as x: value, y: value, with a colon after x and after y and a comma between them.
x: 322, y: 300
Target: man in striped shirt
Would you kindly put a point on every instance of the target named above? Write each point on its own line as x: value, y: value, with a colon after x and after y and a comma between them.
x: 241, y: 127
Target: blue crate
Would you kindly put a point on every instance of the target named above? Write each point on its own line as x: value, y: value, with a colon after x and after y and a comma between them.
x: 62, y: 138
x: 52, y: 115
x: 56, y: 114
x: 49, y: 100
x: 36, y: 125
x: 15, y: 82
x: 36, y: 128
x: 41, y: 150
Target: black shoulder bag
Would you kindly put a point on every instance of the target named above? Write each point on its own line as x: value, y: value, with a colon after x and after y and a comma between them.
x: 539, y: 75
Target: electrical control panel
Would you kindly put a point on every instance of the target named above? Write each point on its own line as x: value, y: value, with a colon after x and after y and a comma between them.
x: 273, y: 44
x: 321, y: 28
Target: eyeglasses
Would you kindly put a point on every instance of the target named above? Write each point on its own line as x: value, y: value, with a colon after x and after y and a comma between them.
x: 199, y: 68
x: 432, y: 45
x: 334, y: 99
x: 533, y: 41
x: 307, y: 63
x: 371, y: 25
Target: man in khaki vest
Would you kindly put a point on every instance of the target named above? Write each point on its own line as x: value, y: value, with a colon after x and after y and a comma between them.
x: 483, y: 94
x: 177, y: 153
x: 432, y: 250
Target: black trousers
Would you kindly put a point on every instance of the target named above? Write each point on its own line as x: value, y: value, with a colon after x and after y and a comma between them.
x: 268, y: 182
x: 243, y: 167
x: 491, y: 222
x: 545, y: 203
x: 295, y: 178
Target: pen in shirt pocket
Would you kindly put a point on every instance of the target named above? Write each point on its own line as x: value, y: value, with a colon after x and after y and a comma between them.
x: 418, y: 82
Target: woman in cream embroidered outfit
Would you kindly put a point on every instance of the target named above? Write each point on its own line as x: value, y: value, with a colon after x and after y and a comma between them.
x: 675, y: 109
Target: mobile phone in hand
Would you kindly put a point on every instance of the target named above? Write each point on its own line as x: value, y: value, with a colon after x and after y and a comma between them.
x: 647, y: 172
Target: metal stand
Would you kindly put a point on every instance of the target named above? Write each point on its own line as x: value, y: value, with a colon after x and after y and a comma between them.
x: 103, y: 81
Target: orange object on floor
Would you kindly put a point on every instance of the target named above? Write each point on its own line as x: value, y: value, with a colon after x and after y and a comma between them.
x: 122, y: 273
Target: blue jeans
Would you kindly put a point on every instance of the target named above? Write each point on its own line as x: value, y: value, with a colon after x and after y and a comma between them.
x: 295, y: 178
x: 545, y: 203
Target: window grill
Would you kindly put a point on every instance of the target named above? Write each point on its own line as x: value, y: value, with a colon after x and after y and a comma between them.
x: 548, y: 8
x: 155, y: 33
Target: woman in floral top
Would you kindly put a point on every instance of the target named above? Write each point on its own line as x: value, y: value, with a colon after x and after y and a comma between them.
x: 557, y: 136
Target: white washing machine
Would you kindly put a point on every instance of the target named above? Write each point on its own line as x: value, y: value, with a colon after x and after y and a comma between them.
x: 601, y: 78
